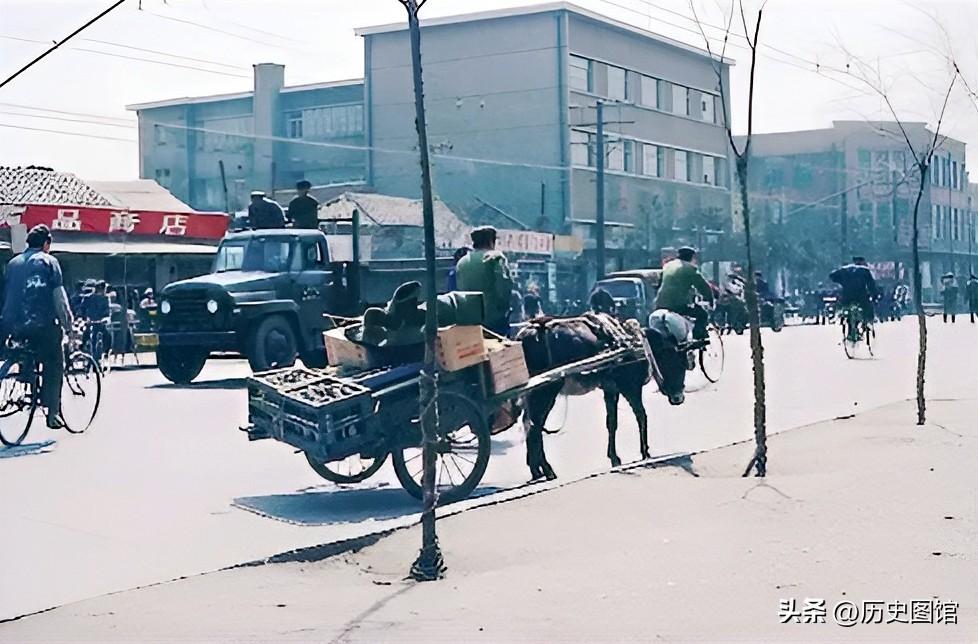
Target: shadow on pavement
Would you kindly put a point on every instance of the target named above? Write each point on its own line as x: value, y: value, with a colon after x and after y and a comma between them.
x: 27, y: 449
x: 330, y: 507
x: 223, y: 383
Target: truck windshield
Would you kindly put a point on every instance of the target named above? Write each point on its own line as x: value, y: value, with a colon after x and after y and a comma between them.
x: 620, y: 289
x: 267, y: 255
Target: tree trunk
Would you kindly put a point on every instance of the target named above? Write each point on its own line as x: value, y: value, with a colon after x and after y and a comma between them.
x: 756, y: 346
x: 918, y: 300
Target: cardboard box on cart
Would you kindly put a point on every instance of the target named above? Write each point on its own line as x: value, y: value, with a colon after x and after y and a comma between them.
x: 460, y: 346
x: 507, y: 364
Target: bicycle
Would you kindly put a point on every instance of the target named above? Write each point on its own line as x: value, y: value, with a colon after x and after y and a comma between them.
x: 21, y: 378
x: 93, y: 335
x: 856, y: 331
x: 706, y: 354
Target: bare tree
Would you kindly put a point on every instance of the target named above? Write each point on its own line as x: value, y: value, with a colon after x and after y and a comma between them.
x: 742, y: 162
x: 922, y: 151
x: 430, y: 564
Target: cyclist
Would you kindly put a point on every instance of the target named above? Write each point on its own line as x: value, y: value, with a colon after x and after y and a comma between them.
x: 97, y: 310
x: 36, y: 311
x: 858, y: 287
x: 679, y: 278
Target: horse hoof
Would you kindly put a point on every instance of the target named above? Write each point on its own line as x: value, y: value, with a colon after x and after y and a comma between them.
x: 646, y: 456
x: 549, y: 473
x: 615, y: 462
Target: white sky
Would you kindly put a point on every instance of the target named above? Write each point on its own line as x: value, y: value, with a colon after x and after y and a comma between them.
x: 314, y: 39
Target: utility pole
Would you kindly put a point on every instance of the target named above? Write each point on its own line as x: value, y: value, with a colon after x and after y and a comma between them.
x: 844, y: 225
x: 429, y: 565
x: 599, y: 216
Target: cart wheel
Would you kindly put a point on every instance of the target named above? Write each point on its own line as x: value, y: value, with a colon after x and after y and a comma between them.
x: 353, y: 469
x: 462, y: 452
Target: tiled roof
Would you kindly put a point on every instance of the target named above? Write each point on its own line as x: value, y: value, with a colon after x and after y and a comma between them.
x: 33, y: 185
x: 383, y: 210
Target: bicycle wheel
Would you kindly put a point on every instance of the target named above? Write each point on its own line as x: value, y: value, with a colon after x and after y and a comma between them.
x: 711, y: 357
x: 18, y: 403
x: 848, y: 345
x: 81, y: 393
x: 869, y: 336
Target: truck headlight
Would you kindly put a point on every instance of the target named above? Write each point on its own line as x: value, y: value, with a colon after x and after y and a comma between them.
x: 165, y: 307
x: 212, y: 306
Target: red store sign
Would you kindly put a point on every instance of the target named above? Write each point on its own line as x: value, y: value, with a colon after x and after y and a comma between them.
x: 88, y: 219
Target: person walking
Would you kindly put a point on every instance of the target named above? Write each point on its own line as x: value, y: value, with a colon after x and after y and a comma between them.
x: 486, y: 271
x: 264, y: 213
x: 303, y: 209
x: 451, y: 281
x: 532, y: 304
x: 36, y: 310
x: 971, y: 289
x: 949, y: 293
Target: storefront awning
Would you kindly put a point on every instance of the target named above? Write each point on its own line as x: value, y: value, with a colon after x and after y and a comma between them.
x: 103, y: 247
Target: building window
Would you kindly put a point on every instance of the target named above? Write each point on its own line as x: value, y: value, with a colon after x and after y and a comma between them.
x: 708, y: 108
x: 681, y: 166
x: 650, y: 92
x: 330, y: 122
x: 680, y: 100
x: 293, y: 125
x: 617, y: 83
x: 580, y: 148
x: 954, y: 225
x: 226, y: 135
x: 934, y: 227
x: 629, y: 152
x: 615, y: 155
x: 159, y: 135
x: 581, y: 75
x: 710, y: 170
x: 162, y: 176
x: 651, y: 160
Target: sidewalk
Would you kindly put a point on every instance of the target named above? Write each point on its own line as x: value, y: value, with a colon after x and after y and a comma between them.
x: 866, y: 509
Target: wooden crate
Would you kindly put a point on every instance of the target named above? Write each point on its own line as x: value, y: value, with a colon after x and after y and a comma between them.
x: 458, y: 347
x: 342, y: 352
x: 507, y: 365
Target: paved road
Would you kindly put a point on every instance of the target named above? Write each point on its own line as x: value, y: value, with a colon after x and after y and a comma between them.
x: 155, y: 490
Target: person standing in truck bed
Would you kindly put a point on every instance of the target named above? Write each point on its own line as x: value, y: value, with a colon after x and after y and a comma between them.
x: 264, y: 213
x: 303, y: 209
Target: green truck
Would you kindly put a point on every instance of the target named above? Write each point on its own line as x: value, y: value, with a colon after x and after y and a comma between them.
x: 269, y: 297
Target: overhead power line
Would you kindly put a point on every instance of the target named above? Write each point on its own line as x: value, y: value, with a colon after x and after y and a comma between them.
x: 89, y: 136
x: 61, y: 42
x: 137, y: 58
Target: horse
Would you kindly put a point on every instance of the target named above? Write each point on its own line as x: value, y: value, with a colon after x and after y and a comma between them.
x: 551, y: 342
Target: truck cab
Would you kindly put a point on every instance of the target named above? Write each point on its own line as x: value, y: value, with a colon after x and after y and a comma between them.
x: 633, y: 291
x: 265, y: 298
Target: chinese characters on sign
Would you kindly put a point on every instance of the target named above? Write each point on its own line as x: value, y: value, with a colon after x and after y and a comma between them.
x: 67, y: 219
x: 847, y: 613
x: 122, y: 222
x: 525, y: 241
x: 174, y: 225
x: 97, y: 219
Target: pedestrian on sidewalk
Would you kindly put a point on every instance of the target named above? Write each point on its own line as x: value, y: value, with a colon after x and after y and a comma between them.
x: 949, y: 293
x: 971, y: 290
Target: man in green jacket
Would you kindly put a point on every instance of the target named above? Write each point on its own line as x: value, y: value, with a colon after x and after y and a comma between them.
x: 680, y: 278
x: 486, y: 271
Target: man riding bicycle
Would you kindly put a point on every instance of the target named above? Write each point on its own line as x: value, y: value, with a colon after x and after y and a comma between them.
x: 858, y: 287
x: 36, y: 311
x: 680, y: 277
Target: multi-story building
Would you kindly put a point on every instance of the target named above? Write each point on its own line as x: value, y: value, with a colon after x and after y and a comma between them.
x: 511, y: 101
x: 266, y: 139
x: 802, y: 182
x: 511, y: 98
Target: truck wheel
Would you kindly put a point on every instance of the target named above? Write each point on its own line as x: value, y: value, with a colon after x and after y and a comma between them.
x: 180, y: 365
x: 272, y: 345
